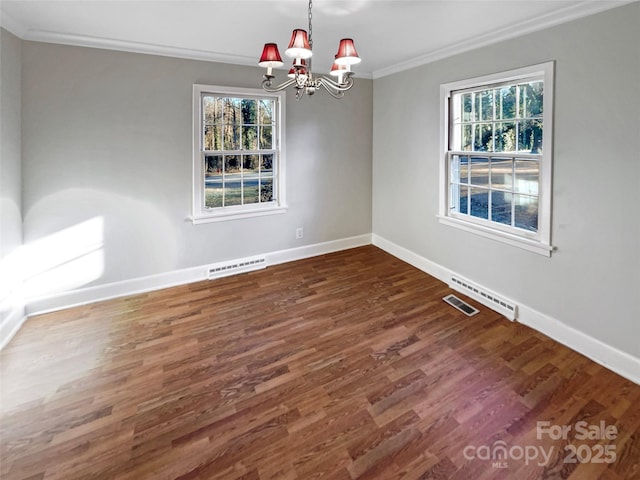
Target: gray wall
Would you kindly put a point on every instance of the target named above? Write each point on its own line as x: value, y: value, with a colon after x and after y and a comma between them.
x: 591, y: 282
x: 108, y: 135
x: 10, y: 166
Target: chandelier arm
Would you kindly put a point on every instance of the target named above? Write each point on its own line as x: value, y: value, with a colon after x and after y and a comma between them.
x: 267, y: 87
x: 334, y: 93
x: 329, y: 84
x: 303, y: 80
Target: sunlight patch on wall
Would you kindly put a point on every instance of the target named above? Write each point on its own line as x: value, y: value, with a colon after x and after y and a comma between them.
x: 64, y: 260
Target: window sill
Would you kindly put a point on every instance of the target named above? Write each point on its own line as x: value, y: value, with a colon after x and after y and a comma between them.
x: 530, y: 245
x: 236, y: 214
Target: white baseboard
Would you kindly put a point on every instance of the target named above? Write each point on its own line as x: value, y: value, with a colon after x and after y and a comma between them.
x: 299, y: 253
x: 609, y: 357
x: 616, y: 360
x: 83, y: 296
x: 11, y: 324
x: 421, y: 263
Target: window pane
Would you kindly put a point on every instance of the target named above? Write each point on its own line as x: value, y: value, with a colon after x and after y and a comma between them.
x: 467, y: 137
x: 212, y: 109
x: 265, y: 112
x: 464, y: 200
x: 454, y: 169
x: 249, y: 111
x: 467, y: 105
x: 232, y: 110
x: 266, y: 137
x: 484, y: 105
x: 479, y: 203
x: 502, y: 173
x: 501, y: 207
x: 527, y: 176
x: 232, y: 190
x: 212, y: 137
x: 454, y: 197
x: 530, y: 136
x: 505, y: 137
x: 250, y: 163
x: 531, y: 99
x: 231, y: 164
x: 213, y: 181
x: 483, y: 134
x: 212, y: 197
x: 480, y: 171
x: 266, y: 189
x: 213, y: 164
x: 526, y: 212
x: 232, y: 180
x: 250, y: 138
x: 266, y: 165
x: 463, y: 168
x: 250, y: 192
x: 505, y: 102
x: 231, y: 137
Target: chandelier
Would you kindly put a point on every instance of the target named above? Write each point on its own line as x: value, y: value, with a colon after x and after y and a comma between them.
x: 300, y: 76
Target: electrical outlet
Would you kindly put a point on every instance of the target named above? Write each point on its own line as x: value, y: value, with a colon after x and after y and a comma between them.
x: 299, y: 232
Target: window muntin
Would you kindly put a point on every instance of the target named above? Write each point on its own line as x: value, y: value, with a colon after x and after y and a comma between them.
x: 497, y: 158
x: 504, y: 118
x: 500, y: 189
x: 238, y: 168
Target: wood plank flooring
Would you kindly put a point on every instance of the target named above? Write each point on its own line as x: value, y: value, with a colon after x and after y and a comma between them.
x: 342, y: 366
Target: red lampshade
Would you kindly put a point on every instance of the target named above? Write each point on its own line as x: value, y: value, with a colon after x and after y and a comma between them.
x: 347, y: 54
x: 337, y: 70
x: 270, y: 56
x: 302, y: 71
x: 299, y: 45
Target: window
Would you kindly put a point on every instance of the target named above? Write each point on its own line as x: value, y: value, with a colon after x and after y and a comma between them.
x: 495, y: 175
x: 238, y: 168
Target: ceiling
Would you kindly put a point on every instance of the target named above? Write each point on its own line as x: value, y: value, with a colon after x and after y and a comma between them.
x: 390, y: 35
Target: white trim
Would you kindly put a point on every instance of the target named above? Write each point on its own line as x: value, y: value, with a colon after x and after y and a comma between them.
x: 308, y: 251
x: 616, y: 360
x: 11, y: 324
x: 542, y: 242
x: 203, y: 215
x: 83, y: 296
x: 557, y: 17
x: 497, y: 235
x: 237, y: 214
x: 609, y: 357
x: 90, y: 41
x: 620, y: 362
x: 421, y: 263
x: 12, y: 25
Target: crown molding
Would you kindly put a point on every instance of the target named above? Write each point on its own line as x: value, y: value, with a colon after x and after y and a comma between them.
x: 140, y: 47
x: 134, y: 47
x: 12, y: 25
x: 574, y: 12
x: 583, y: 9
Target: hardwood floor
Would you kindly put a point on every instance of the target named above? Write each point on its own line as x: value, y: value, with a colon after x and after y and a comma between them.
x: 343, y: 366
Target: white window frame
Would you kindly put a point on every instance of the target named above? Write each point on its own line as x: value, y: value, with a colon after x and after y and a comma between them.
x: 202, y: 214
x: 537, y: 242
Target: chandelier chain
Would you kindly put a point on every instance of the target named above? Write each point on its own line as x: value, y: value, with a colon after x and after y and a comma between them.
x: 310, y: 32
